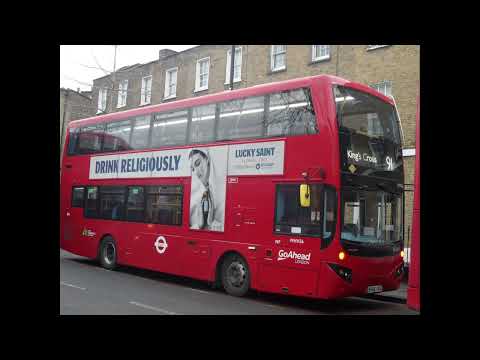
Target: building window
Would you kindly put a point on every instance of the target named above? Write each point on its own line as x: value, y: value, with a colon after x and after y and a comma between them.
x: 278, y: 57
x: 146, y: 92
x: 122, y: 93
x: 102, y: 100
x: 373, y: 47
x: 171, y: 83
x: 201, y: 82
x: 320, y: 52
x: 237, y: 66
x: 384, y: 87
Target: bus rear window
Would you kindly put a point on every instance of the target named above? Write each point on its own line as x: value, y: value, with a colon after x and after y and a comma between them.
x: 73, y: 139
x: 117, y: 136
x: 78, y: 196
x: 90, y: 139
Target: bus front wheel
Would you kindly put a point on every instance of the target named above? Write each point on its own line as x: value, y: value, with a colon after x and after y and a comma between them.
x: 108, y: 253
x: 235, y: 275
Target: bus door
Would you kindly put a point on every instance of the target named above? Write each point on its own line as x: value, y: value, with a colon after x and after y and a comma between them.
x: 291, y: 260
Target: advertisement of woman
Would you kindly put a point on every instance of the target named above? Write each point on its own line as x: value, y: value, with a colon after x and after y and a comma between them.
x: 207, y: 197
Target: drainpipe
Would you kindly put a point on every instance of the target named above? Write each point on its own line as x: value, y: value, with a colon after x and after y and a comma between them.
x: 336, y: 65
x: 232, y: 67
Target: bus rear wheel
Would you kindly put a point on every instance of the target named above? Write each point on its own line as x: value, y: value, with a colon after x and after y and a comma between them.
x: 108, y: 253
x: 235, y: 275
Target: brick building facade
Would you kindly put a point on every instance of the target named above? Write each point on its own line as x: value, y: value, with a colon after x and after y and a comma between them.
x: 391, y: 69
x: 74, y: 105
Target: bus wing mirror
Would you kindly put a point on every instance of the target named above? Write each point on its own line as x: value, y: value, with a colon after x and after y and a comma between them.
x: 305, y: 195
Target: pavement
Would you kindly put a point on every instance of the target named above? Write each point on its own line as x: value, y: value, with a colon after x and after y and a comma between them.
x: 399, y: 295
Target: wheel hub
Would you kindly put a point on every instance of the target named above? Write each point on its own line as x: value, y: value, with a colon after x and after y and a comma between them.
x: 236, y: 274
x: 109, y: 253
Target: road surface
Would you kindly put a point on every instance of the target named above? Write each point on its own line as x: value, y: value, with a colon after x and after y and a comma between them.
x: 88, y: 289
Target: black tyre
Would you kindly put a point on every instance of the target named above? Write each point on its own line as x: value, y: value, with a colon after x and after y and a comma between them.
x: 108, y: 253
x: 235, y: 275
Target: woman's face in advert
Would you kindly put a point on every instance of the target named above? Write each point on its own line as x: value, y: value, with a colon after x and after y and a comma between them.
x: 200, y: 167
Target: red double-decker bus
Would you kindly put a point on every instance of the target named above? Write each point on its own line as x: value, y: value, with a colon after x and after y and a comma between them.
x: 294, y: 187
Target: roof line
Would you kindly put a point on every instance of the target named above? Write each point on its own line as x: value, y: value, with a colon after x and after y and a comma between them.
x: 180, y: 52
x: 76, y: 92
x: 150, y: 62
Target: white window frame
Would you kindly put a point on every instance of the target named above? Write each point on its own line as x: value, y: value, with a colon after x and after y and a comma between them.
x: 102, y: 100
x: 197, y: 76
x: 378, y: 86
x: 122, y: 91
x: 168, y: 74
x: 325, y: 57
x: 272, y: 55
x: 145, y: 90
x: 373, y: 47
x: 227, y: 70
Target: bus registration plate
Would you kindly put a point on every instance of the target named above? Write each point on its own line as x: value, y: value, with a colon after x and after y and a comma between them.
x: 374, y: 289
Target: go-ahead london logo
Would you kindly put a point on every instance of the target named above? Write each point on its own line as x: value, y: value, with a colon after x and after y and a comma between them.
x: 161, y: 244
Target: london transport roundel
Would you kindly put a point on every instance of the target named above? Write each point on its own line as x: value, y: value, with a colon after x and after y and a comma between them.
x: 161, y: 244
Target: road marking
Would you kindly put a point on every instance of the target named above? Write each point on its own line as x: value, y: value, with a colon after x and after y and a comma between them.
x: 74, y: 286
x: 200, y: 291
x: 153, y: 308
x: 276, y: 306
x: 273, y: 306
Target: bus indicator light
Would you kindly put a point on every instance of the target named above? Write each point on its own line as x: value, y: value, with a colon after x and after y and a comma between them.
x: 341, y: 255
x: 402, y: 254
